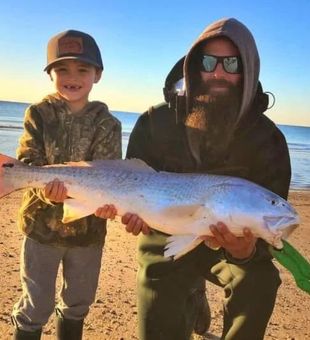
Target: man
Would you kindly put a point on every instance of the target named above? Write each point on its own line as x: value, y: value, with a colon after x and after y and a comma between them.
x: 216, y: 126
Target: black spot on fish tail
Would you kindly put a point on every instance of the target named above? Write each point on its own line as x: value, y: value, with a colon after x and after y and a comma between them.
x: 8, y: 165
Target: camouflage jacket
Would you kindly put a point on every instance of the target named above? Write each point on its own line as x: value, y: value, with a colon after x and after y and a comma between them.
x: 53, y: 135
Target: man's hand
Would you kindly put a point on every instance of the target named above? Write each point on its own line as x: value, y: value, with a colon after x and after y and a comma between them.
x: 238, y: 247
x: 55, y: 191
x: 134, y: 224
x: 106, y: 211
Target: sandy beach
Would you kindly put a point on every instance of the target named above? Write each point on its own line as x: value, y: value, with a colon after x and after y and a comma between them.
x: 113, y: 316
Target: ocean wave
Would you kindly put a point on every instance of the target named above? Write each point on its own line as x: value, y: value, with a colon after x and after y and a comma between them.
x: 126, y: 133
x: 300, y: 186
x: 11, y: 126
x: 299, y: 146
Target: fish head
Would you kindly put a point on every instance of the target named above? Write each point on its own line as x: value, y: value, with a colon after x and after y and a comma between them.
x: 248, y: 204
x: 279, y: 216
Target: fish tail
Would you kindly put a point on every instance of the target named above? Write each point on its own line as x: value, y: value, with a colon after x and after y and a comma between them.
x: 6, y: 187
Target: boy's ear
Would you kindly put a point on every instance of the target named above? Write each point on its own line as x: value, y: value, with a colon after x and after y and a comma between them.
x: 98, y: 75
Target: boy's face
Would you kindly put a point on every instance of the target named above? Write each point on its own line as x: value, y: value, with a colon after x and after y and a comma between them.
x: 73, y: 81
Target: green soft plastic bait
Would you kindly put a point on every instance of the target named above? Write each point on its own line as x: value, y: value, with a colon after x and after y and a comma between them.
x: 294, y: 262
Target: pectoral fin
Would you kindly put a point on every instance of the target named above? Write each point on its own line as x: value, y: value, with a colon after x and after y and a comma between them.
x: 75, y: 209
x: 179, y: 245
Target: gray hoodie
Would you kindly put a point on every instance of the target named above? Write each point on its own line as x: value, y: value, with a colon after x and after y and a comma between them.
x: 243, y: 39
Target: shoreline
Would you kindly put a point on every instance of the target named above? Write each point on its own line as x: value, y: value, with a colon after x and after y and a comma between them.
x: 113, y: 316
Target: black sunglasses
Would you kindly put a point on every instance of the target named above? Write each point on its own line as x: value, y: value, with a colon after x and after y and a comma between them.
x: 231, y: 64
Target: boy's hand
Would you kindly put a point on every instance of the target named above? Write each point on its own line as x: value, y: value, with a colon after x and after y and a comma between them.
x: 134, y: 224
x: 237, y: 247
x: 55, y: 191
x: 106, y: 211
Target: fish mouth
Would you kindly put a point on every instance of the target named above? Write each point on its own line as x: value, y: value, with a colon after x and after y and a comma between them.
x: 281, y: 228
x: 281, y: 222
x: 281, y: 235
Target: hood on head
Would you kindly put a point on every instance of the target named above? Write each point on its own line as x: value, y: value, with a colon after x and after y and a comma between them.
x: 244, y: 41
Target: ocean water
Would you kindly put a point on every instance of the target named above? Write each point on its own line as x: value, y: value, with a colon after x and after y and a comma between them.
x: 297, y: 137
x: 11, y: 124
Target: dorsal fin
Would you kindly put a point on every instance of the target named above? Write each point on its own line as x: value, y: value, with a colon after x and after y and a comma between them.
x: 136, y: 164
x: 133, y: 164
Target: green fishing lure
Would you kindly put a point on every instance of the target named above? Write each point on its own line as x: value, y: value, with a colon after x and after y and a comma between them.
x: 294, y: 262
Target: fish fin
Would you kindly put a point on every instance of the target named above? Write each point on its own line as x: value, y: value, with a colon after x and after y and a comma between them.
x: 136, y: 164
x: 74, y: 209
x: 179, y: 245
x: 6, y: 187
x: 133, y: 164
x: 81, y: 164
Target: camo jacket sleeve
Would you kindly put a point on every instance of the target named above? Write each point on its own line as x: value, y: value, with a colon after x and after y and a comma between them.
x: 31, y: 145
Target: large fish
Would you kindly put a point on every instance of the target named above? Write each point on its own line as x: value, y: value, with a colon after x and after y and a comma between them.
x: 182, y: 205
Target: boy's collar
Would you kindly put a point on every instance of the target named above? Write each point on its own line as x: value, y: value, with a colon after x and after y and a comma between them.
x: 57, y: 100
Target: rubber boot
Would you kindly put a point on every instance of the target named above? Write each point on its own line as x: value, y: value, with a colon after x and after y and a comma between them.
x: 19, y: 334
x: 69, y: 329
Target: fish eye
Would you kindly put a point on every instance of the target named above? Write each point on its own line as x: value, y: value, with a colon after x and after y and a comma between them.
x: 273, y: 202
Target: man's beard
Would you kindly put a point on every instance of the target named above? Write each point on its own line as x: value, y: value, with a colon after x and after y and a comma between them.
x: 211, y: 122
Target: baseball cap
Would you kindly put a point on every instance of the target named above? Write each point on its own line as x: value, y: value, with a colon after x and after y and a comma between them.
x: 75, y: 45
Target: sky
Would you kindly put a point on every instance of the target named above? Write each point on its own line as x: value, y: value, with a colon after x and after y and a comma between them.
x: 140, y: 41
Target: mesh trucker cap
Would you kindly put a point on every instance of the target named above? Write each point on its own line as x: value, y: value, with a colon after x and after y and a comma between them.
x: 73, y: 44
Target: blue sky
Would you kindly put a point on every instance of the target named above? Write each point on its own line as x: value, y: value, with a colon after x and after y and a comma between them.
x: 141, y: 40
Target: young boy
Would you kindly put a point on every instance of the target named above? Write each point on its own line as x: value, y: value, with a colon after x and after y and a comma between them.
x: 63, y: 127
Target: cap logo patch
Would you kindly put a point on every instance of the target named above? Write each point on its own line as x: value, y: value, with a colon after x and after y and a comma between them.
x: 68, y: 45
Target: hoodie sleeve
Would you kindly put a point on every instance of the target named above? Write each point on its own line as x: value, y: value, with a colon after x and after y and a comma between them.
x: 140, y: 139
x: 272, y: 164
x: 273, y: 170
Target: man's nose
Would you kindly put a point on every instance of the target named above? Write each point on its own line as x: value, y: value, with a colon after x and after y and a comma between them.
x: 219, y: 71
